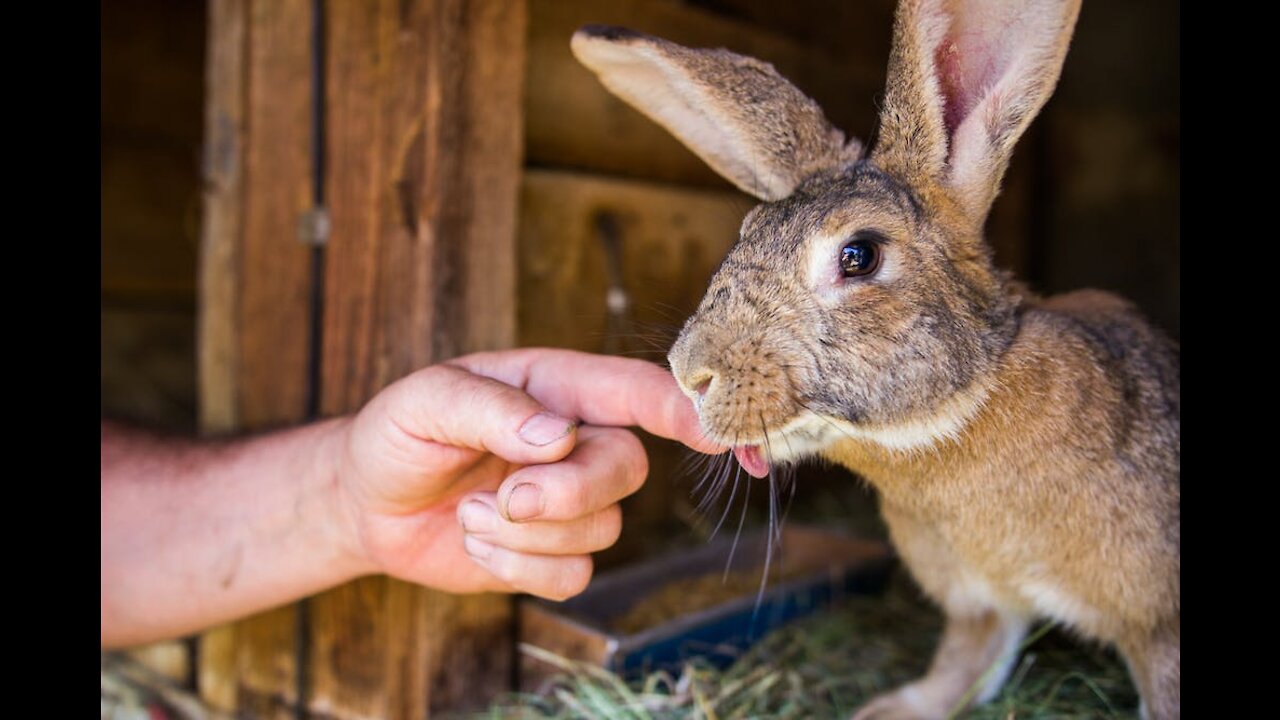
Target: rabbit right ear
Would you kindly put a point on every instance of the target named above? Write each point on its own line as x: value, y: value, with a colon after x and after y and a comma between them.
x: 966, y: 78
x: 737, y: 113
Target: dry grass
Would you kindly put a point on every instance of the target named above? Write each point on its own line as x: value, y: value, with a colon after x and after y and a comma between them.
x: 827, y: 665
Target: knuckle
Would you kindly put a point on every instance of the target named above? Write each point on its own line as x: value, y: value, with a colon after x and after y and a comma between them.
x: 491, y: 394
x: 438, y: 377
x: 571, y: 496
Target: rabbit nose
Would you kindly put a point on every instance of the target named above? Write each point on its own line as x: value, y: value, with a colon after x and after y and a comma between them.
x: 692, y: 364
x: 700, y: 381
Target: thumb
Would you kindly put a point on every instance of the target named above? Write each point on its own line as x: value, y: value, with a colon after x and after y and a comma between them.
x: 451, y: 406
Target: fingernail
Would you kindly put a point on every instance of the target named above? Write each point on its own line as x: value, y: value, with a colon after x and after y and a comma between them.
x: 544, y: 429
x: 476, y: 517
x: 525, y: 502
x: 478, y: 549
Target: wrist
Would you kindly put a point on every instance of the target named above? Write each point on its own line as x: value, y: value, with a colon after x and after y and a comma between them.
x: 341, y: 522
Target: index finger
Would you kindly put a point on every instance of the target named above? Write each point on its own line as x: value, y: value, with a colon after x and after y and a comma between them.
x: 599, y: 390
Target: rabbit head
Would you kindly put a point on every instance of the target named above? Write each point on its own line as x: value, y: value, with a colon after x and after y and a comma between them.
x: 860, y: 299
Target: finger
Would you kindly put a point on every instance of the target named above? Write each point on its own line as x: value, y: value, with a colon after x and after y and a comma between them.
x: 451, y: 406
x: 600, y: 390
x: 555, y: 577
x: 607, y: 465
x: 480, y: 519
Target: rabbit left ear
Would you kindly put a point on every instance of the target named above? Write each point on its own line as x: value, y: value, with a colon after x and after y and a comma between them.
x: 737, y: 113
x: 966, y: 78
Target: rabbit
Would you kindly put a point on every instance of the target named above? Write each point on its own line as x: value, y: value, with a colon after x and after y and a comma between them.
x: 1025, y: 450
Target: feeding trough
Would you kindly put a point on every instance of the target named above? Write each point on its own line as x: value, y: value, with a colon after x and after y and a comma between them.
x: 660, y: 612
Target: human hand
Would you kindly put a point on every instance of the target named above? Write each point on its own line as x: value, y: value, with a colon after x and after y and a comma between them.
x: 474, y: 475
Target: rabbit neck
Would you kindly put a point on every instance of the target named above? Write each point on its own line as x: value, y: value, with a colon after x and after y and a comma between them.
x: 1019, y: 409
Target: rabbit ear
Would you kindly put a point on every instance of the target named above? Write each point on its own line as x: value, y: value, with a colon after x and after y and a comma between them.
x: 737, y: 113
x: 966, y: 77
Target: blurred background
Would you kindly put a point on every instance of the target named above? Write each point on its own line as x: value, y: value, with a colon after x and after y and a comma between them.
x: 593, y: 199
x: 1092, y: 200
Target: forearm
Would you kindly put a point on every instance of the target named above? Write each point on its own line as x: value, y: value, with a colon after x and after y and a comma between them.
x: 198, y: 534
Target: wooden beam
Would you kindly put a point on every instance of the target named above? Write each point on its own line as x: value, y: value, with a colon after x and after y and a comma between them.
x: 254, y: 291
x: 222, y: 220
x: 424, y: 145
x: 218, y: 269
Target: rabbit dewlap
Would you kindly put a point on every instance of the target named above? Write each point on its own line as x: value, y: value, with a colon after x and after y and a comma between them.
x: 1025, y: 450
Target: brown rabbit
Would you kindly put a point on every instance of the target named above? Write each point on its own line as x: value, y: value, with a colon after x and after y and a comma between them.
x: 1026, y: 450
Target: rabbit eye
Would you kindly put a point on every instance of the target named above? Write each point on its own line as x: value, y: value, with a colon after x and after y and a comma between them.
x: 860, y: 258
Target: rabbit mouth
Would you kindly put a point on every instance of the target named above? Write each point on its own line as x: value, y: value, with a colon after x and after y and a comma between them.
x: 804, y: 436
x: 750, y: 459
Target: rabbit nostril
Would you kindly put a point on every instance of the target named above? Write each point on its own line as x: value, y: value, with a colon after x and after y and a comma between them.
x: 701, y: 389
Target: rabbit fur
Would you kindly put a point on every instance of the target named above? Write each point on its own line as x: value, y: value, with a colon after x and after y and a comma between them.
x: 1025, y: 449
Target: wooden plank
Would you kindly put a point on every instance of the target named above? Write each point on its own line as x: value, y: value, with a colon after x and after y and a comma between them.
x: 573, y: 122
x: 275, y: 277
x: 671, y: 239
x: 274, y: 298
x: 222, y: 220
x: 219, y: 270
x: 424, y: 145
x: 255, y: 288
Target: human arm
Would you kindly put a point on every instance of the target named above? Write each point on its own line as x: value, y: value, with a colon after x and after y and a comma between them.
x: 199, y: 533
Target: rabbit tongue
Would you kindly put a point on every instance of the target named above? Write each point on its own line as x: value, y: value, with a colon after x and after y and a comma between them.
x: 749, y: 458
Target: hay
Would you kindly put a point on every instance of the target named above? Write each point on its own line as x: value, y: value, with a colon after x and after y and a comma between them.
x: 826, y: 665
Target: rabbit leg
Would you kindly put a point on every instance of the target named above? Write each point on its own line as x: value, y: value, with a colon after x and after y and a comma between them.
x: 1155, y: 662
x: 979, y: 644
x: 972, y: 661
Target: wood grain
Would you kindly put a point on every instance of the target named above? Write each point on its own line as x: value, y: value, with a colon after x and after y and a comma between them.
x: 217, y: 337
x: 255, y: 283
x: 222, y: 221
x: 424, y: 141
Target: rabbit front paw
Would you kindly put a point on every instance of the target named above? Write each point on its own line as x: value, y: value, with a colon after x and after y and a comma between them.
x: 905, y: 703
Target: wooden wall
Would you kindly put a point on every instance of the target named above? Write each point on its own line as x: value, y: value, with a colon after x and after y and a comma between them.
x: 484, y: 191
x: 422, y: 146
